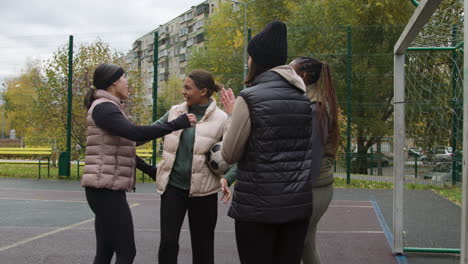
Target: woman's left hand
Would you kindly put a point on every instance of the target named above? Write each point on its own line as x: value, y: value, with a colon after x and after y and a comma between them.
x: 226, y: 190
x: 228, y: 99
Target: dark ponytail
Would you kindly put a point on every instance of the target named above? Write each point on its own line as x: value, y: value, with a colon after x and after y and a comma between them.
x: 204, y: 79
x: 319, y: 73
x: 104, y: 76
x: 89, y: 98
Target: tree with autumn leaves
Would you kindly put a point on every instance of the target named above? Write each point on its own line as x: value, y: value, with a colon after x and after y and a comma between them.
x: 319, y: 28
x: 36, y: 101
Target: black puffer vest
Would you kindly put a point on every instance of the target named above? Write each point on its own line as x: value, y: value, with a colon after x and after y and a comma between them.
x: 273, y: 181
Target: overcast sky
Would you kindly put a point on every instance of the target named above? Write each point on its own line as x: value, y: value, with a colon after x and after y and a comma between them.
x: 34, y: 29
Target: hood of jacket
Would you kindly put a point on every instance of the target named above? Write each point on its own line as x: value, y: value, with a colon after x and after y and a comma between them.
x: 290, y: 75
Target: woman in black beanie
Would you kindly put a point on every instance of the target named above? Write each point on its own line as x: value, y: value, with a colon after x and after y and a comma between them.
x: 269, y: 138
x: 111, y: 161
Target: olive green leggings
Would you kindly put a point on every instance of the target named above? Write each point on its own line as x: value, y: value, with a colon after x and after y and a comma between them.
x: 322, y: 197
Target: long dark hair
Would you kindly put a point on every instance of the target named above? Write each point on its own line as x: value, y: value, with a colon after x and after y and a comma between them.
x: 204, y: 79
x: 319, y: 73
x: 104, y: 75
x: 255, y: 70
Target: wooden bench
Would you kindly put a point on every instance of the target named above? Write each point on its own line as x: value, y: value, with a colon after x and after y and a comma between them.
x: 40, y: 153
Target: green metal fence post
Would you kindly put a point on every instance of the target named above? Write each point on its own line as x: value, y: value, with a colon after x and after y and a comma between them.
x: 155, y: 88
x: 415, y: 166
x: 372, y: 161
x: 455, y: 106
x: 69, y: 111
x: 349, y: 90
x: 64, y: 159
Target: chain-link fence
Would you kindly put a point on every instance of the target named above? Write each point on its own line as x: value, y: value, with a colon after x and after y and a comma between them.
x: 361, y: 59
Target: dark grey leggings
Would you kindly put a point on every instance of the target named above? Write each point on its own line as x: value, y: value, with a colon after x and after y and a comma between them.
x: 113, y: 226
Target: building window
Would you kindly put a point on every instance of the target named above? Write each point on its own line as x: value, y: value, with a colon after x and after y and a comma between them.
x: 183, y: 31
x: 200, y: 38
x: 199, y: 24
x: 203, y: 8
x: 189, y: 42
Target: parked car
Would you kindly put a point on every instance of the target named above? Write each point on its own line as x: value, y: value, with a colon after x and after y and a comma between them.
x: 414, y: 152
x: 437, y: 154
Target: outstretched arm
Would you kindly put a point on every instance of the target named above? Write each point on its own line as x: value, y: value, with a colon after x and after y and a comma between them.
x: 109, y: 117
x: 146, y: 168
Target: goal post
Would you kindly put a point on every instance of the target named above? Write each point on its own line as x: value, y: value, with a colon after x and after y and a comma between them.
x: 421, y: 16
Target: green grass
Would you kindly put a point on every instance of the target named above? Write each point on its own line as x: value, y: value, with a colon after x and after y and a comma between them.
x: 26, y: 171
x: 362, y: 184
x: 451, y: 193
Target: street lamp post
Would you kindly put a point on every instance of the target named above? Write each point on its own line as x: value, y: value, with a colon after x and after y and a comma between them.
x: 245, y: 4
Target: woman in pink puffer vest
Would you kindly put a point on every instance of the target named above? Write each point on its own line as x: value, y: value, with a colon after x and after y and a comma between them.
x: 111, y: 161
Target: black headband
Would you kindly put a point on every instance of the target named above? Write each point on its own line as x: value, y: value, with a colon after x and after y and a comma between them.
x: 113, y: 78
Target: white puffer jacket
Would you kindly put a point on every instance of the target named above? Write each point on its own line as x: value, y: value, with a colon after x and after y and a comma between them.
x: 208, y: 131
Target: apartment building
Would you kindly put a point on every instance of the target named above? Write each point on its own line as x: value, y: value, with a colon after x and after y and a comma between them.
x: 176, y: 38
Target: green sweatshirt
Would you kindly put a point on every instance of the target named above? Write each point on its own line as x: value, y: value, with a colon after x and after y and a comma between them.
x: 182, y: 170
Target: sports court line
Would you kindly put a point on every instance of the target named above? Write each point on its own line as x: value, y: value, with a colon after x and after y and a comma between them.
x: 52, y: 190
x: 42, y: 200
x: 350, y: 201
x: 353, y: 206
x: 388, y: 234
x: 46, y: 190
x: 186, y: 230
x: 67, y: 201
x: 22, y: 242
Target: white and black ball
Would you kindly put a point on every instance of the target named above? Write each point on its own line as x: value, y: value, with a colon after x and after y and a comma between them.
x: 215, y: 160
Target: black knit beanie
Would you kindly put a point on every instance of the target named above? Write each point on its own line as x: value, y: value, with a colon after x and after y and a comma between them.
x: 270, y: 47
x: 106, y: 74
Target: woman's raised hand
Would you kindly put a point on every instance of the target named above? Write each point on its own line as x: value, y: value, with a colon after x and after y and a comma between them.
x: 192, y: 119
x: 228, y: 99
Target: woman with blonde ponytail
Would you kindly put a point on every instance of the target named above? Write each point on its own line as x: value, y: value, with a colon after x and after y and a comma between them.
x: 321, y: 92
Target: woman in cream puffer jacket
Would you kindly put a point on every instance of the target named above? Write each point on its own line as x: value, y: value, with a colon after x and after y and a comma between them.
x: 184, y: 180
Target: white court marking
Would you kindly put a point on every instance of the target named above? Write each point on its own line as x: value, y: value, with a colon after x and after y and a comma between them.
x: 187, y: 230
x: 353, y: 206
x: 24, y: 241
x: 52, y: 190
x: 66, y: 201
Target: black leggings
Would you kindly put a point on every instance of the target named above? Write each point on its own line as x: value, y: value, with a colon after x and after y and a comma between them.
x: 260, y: 243
x: 113, y: 226
x: 202, y: 216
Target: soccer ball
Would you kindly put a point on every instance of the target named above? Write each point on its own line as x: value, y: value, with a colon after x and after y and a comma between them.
x: 215, y: 161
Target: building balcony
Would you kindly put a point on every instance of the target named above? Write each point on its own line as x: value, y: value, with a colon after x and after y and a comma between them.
x: 163, y: 35
x: 163, y: 76
x: 182, y: 58
x: 136, y: 45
